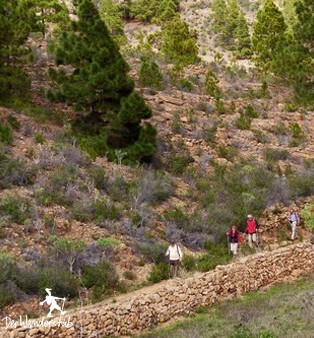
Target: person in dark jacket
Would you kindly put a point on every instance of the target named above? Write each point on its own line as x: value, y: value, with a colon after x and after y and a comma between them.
x: 251, y: 231
x: 234, y: 239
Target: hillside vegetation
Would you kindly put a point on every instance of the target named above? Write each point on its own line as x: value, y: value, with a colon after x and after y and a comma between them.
x: 126, y: 124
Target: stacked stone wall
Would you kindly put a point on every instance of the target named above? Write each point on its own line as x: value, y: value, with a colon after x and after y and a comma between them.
x: 160, y: 303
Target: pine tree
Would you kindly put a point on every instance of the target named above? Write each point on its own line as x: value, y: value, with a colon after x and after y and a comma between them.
x: 16, y: 22
x: 179, y: 44
x: 150, y: 74
x: 269, y: 31
x: 219, y: 15
x: 52, y: 11
x: 166, y: 10
x: 242, y: 36
x: 98, y: 86
x: 231, y: 23
x: 110, y: 13
x: 144, y: 10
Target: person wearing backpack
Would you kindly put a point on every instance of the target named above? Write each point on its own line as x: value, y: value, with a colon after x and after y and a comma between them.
x: 294, y: 220
x: 234, y: 239
x: 175, y: 255
x: 251, y: 231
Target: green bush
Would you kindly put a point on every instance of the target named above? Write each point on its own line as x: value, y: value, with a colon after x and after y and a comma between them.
x: 227, y: 152
x: 272, y: 155
x: 58, y: 279
x: 217, y: 255
x: 152, y: 252
x: 98, y: 174
x: 150, y: 74
x: 107, y: 242
x: 308, y: 215
x: 178, y: 164
x: 6, y: 135
x: 189, y: 263
x: 159, y: 272
x: 7, y: 267
x: 7, y: 297
x: 28, y: 279
x: 177, y: 216
x: 16, y: 172
x: 251, y: 112
x: 16, y: 208
x: 102, y: 278
x: 81, y: 211
x: 103, y: 210
x: 243, y: 122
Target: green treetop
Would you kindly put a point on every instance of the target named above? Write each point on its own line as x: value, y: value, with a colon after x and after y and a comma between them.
x: 52, y: 11
x: 242, y: 36
x: 16, y: 22
x: 219, y: 15
x: 98, y: 86
x: 269, y: 31
x: 179, y: 44
x: 111, y: 15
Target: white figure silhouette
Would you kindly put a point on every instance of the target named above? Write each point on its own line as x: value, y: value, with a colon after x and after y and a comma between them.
x: 51, y: 300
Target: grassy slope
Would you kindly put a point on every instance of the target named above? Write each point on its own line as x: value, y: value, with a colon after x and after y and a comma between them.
x: 285, y: 310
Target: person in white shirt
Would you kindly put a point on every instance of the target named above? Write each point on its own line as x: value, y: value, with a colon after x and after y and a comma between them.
x: 175, y: 256
x: 294, y: 220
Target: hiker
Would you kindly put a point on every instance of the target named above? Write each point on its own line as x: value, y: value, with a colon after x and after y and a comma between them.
x: 234, y: 240
x: 175, y: 256
x: 294, y: 220
x: 251, y: 231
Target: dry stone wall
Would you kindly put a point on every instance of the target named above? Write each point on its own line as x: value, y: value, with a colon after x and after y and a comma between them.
x: 160, y: 303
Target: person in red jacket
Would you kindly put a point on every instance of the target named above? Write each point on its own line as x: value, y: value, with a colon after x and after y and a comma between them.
x: 251, y: 231
x: 234, y: 239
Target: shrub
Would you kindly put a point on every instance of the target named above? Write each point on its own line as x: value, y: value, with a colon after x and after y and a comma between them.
x: 99, y: 177
x: 7, y: 297
x: 251, y: 112
x: 177, y: 217
x: 179, y: 163
x: 81, y: 211
x: 301, y: 185
x: 189, y: 263
x: 227, y: 152
x: 159, y: 272
x: 6, y: 135
x: 16, y: 172
x: 217, y: 255
x: 107, y: 242
x: 56, y: 278
x: 117, y: 187
x: 7, y: 267
x: 28, y: 279
x: 39, y: 138
x: 16, y: 208
x: 260, y: 136
x: 103, y: 210
x: 153, y: 252
x: 153, y: 187
x: 243, y: 122
x: 308, y: 215
x: 150, y: 74
x: 272, y: 155
x: 102, y: 278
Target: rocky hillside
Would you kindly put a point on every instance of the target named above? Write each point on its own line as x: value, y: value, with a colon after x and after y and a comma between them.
x: 250, y: 151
